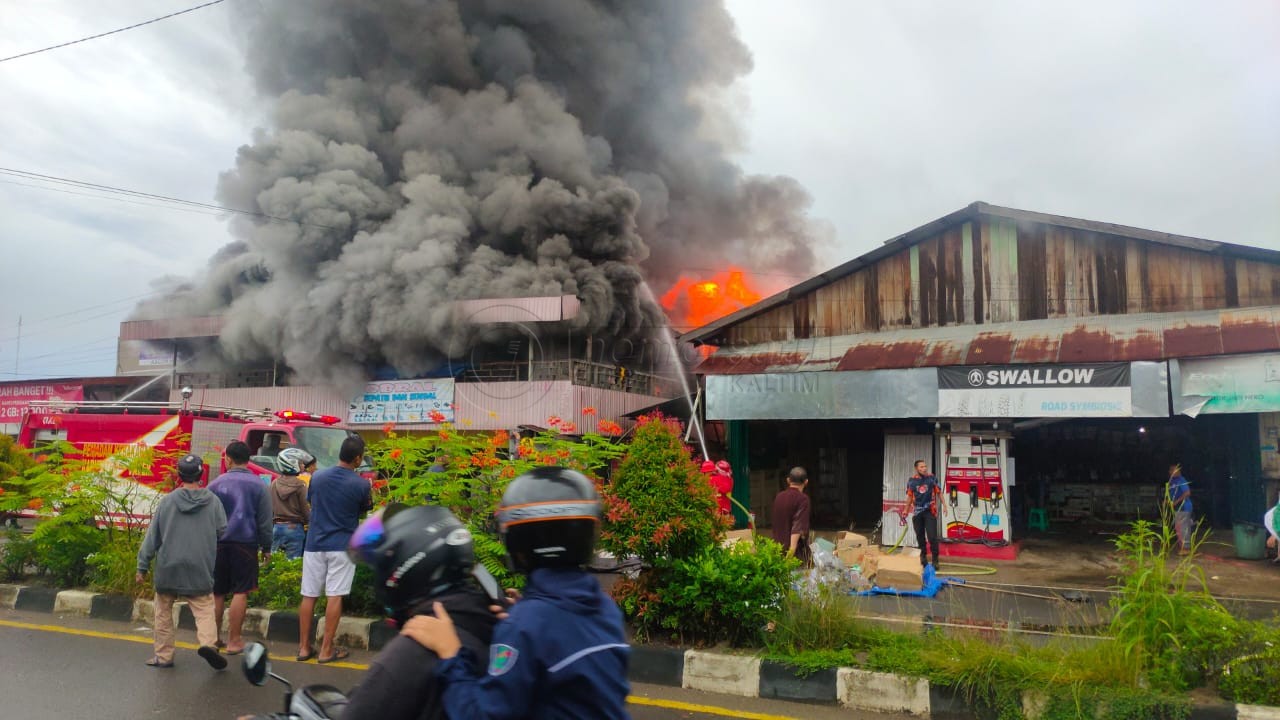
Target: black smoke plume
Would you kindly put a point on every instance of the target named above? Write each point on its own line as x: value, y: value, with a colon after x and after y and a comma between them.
x: 427, y: 151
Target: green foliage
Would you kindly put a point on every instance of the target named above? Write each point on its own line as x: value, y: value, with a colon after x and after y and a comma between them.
x: 14, y: 461
x: 1164, y: 618
x: 75, y: 496
x: 720, y: 594
x: 467, y: 472
x: 17, y: 555
x: 113, y: 567
x: 363, y: 601
x: 279, y: 583
x: 659, y: 506
x: 1252, y: 679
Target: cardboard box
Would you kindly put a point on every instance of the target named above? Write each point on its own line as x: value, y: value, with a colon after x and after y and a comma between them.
x: 900, y: 572
x: 846, y: 539
x: 866, y: 558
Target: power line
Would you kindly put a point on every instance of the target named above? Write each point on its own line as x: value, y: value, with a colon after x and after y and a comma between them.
x: 197, y: 211
x: 110, y: 32
x: 28, y: 175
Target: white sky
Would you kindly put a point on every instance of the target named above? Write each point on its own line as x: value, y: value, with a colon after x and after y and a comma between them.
x: 1162, y: 114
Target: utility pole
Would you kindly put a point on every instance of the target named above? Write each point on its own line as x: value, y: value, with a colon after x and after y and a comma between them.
x: 17, y: 349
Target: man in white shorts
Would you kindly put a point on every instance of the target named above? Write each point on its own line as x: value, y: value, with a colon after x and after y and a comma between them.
x: 338, y: 497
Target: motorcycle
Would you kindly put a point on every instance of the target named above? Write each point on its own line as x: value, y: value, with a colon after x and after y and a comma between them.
x: 311, y: 702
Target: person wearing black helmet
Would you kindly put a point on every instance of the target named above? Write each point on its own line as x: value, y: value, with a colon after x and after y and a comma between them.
x: 420, y: 556
x: 183, y: 539
x: 562, y: 652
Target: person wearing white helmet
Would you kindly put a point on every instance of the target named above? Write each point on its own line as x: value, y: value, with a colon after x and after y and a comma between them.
x: 290, y: 510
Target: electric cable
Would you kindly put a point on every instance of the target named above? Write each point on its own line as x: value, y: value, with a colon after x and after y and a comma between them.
x: 110, y: 32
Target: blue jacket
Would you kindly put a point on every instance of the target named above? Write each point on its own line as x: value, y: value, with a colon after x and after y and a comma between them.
x: 248, y: 507
x: 561, y: 654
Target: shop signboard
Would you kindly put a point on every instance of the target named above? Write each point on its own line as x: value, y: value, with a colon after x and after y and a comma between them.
x: 15, y: 397
x: 1031, y: 391
x: 403, y: 401
x: 1237, y: 384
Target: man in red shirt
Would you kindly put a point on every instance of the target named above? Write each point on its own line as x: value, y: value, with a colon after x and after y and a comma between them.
x: 791, y: 515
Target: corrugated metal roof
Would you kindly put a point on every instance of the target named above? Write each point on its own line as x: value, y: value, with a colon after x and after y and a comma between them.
x: 517, y: 310
x: 972, y: 212
x: 1113, y: 338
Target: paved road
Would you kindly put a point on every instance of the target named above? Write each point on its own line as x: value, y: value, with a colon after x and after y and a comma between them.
x: 53, y: 668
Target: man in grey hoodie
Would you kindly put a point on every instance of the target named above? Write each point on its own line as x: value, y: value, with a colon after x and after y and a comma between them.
x: 183, y: 539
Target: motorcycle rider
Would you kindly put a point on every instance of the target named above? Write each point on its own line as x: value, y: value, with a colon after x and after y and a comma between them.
x: 562, y: 653
x: 420, y: 555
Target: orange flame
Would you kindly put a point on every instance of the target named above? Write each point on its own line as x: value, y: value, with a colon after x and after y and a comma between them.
x: 692, y: 303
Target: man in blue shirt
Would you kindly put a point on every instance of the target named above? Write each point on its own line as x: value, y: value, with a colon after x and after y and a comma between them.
x: 248, y: 509
x: 338, y: 497
x: 1180, y: 500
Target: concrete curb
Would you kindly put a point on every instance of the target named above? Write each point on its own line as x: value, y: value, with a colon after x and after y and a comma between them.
x: 742, y: 675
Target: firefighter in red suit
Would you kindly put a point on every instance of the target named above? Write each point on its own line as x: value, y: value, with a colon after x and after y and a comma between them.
x: 722, y: 481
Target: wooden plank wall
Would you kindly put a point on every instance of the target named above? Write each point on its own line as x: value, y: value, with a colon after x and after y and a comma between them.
x: 999, y: 270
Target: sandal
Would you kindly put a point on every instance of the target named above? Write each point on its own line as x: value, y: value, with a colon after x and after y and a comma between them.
x: 234, y: 652
x: 156, y: 663
x: 308, y: 656
x: 338, y: 654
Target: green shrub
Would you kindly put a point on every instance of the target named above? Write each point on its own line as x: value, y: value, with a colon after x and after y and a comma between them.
x: 1163, y: 617
x: 17, y: 556
x: 362, y: 601
x: 279, y: 584
x: 719, y: 594
x: 63, y: 550
x: 1253, y: 679
x: 114, y: 567
x: 659, y: 506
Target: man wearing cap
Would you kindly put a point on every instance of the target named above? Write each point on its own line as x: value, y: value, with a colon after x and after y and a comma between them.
x: 183, y: 540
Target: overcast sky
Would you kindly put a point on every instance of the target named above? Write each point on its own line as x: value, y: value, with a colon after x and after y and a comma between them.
x: 1164, y: 115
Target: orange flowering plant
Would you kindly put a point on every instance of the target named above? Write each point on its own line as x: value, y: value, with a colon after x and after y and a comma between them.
x: 468, y: 471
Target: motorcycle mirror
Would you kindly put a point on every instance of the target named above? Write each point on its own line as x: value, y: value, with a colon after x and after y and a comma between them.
x: 257, y: 664
x: 488, y: 583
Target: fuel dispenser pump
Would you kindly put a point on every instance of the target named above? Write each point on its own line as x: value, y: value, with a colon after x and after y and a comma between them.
x: 974, y: 485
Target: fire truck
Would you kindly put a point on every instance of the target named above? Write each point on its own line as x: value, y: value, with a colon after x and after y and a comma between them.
x: 102, y: 429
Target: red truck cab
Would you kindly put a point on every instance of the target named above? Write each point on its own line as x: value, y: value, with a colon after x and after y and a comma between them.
x: 316, y: 434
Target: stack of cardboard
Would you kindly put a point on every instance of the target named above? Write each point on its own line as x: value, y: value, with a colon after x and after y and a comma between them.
x: 900, y: 572
x: 855, y: 551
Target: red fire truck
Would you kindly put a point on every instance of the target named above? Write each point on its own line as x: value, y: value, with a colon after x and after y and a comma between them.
x: 100, y: 430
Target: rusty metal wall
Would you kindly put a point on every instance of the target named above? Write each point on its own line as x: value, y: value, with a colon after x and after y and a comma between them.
x: 1000, y: 269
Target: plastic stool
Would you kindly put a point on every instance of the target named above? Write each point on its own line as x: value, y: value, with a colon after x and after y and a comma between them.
x: 1038, y: 520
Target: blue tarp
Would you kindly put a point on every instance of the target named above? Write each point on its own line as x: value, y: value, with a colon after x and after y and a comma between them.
x: 932, y: 584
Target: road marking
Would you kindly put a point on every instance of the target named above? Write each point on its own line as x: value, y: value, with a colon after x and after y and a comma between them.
x: 147, y: 641
x: 704, y: 709
x: 633, y: 699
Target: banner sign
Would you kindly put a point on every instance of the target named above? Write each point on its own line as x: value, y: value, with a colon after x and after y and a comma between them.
x: 1241, y: 384
x: 155, y: 357
x: 14, y: 397
x: 999, y: 391
x: 403, y: 401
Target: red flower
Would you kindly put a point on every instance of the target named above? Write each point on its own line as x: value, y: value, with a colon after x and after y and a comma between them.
x: 389, y: 428
x: 554, y: 420
x: 568, y: 428
x: 396, y: 453
x: 500, y: 438
x: 444, y: 435
x: 42, y: 458
x: 436, y: 416
x: 609, y: 427
x: 588, y: 411
x: 35, y: 503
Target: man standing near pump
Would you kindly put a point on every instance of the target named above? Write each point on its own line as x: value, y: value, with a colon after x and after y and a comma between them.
x: 923, y: 494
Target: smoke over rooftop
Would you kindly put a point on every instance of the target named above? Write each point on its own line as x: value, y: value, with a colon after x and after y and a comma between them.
x: 434, y: 150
